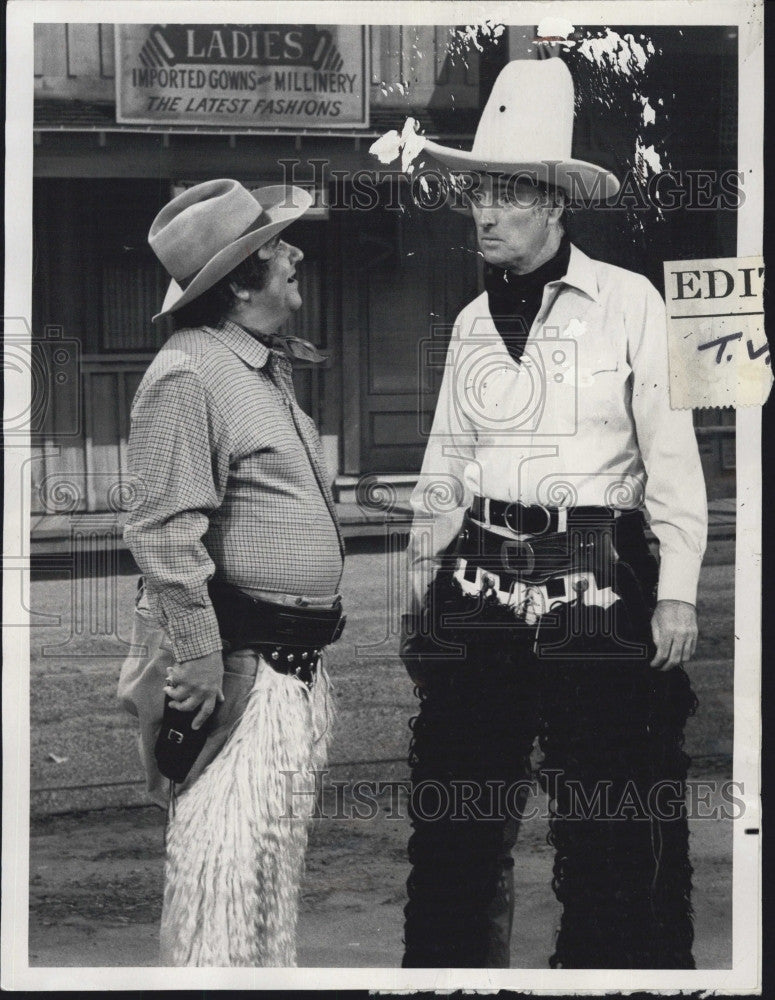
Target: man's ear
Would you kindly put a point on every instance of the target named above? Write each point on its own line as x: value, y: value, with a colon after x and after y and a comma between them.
x: 243, y: 294
x: 554, y: 211
x: 267, y: 251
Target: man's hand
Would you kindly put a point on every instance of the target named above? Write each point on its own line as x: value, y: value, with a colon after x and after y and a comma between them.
x: 674, y: 627
x: 196, y: 684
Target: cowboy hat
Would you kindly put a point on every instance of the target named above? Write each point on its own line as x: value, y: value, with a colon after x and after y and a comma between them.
x: 206, y: 231
x: 526, y: 129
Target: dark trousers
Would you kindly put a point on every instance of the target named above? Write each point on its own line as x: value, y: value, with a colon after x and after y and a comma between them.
x: 610, y: 729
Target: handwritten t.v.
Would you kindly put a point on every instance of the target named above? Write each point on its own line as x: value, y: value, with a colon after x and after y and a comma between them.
x: 718, y: 351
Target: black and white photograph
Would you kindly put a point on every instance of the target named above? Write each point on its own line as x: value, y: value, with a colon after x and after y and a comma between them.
x: 382, y: 506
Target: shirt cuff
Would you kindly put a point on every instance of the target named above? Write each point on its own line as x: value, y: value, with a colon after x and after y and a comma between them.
x: 193, y: 634
x: 678, y: 577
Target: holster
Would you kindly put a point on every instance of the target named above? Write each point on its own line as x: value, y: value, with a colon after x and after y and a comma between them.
x: 537, y: 558
x: 617, y: 554
x: 244, y: 620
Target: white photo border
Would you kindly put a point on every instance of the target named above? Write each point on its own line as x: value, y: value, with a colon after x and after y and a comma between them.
x: 745, y: 974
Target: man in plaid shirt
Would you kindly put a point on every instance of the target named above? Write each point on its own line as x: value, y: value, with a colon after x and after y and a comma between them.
x: 234, y: 491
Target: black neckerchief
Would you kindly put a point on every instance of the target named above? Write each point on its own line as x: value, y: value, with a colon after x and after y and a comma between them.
x: 514, y: 299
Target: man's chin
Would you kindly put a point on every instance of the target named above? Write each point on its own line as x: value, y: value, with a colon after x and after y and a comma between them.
x: 494, y: 256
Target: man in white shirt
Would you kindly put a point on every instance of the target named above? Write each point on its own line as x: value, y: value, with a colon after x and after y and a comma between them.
x: 536, y: 608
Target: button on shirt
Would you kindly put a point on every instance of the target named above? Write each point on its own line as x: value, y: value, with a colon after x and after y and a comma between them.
x: 584, y: 419
x: 232, y: 482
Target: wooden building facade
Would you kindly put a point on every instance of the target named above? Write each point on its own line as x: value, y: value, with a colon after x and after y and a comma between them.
x: 380, y: 273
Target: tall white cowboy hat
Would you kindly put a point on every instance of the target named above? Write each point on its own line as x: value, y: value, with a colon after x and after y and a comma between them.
x: 206, y: 231
x: 527, y: 128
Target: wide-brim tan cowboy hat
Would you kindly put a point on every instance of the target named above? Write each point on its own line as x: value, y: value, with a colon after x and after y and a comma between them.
x: 206, y: 231
x: 526, y: 129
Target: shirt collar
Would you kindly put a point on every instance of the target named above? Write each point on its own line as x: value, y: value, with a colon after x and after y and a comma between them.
x: 245, y: 346
x: 581, y: 273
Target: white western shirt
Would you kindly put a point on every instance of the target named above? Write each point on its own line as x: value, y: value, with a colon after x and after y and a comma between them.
x: 584, y: 419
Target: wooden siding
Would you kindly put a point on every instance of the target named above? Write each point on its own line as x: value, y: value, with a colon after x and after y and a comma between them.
x: 86, y: 471
x: 411, y: 65
x: 75, y: 61
x: 130, y: 296
x: 415, y: 65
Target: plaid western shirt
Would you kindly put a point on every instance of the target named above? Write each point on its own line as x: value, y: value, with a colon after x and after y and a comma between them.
x: 231, y: 480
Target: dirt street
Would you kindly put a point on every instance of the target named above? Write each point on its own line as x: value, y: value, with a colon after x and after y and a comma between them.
x: 96, y: 878
x: 96, y: 875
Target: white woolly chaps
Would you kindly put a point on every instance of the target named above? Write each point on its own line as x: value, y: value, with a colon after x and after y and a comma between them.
x: 237, y: 837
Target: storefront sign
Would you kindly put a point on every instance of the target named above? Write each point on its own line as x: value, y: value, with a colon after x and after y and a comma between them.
x: 242, y: 75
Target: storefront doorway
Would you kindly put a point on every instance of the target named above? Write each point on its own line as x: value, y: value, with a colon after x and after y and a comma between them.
x: 407, y: 272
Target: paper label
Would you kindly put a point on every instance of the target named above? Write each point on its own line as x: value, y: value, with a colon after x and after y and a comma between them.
x: 718, y: 351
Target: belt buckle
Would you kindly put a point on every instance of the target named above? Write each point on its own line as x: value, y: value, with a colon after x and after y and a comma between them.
x: 511, y: 520
x: 521, y: 549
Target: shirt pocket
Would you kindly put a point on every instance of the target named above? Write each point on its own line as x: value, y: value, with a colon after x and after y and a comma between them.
x: 602, y: 360
x: 595, y: 365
